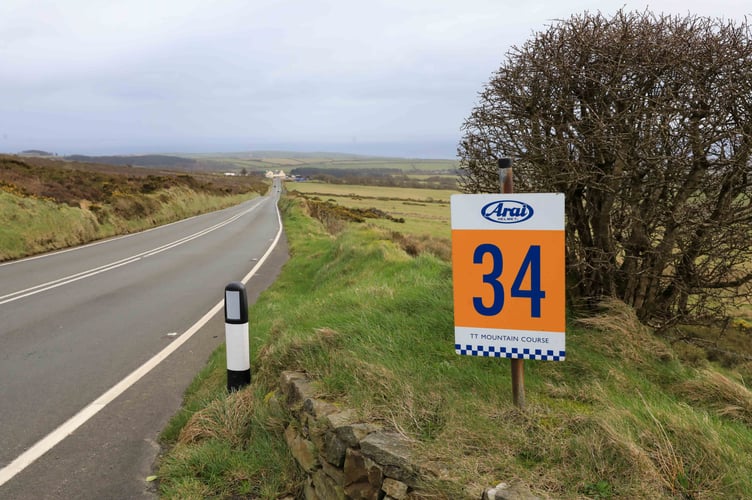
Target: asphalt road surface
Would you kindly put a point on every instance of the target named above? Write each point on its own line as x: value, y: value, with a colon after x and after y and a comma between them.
x: 98, y: 344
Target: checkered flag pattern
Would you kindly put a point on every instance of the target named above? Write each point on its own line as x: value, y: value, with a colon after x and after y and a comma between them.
x: 509, y: 352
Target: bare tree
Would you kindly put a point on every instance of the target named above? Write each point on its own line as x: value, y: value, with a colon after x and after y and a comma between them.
x: 645, y: 123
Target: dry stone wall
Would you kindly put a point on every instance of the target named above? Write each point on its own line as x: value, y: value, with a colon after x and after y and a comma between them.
x: 348, y: 459
x: 344, y: 458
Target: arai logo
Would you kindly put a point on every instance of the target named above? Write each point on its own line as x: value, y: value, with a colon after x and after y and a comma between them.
x: 507, y: 211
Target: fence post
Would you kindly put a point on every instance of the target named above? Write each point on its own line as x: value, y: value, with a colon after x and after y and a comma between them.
x: 236, y: 337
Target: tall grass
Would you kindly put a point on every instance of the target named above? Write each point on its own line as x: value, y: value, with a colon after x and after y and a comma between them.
x: 29, y: 225
x: 425, y: 212
x: 622, y: 417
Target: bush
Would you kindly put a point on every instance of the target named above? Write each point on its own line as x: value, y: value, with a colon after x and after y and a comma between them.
x: 644, y: 122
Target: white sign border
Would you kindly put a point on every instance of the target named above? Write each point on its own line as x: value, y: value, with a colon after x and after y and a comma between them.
x: 513, y: 344
x: 487, y: 342
x: 548, y: 211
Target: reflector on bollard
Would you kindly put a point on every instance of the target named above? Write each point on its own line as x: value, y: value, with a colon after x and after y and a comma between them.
x: 236, y: 337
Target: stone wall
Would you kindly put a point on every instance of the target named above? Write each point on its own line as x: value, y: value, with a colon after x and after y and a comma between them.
x: 347, y: 459
x: 344, y: 458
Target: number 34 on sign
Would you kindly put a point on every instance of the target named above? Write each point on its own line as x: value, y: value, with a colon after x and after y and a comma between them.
x: 508, y: 266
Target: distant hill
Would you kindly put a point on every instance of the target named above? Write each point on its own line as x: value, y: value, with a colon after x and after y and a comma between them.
x: 261, y: 161
x: 138, y: 160
x: 36, y: 152
x: 297, y: 155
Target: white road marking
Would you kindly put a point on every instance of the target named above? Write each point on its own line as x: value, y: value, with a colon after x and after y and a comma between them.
x: 67, y: 428
x: 20, y: 294
x: 94, y: 243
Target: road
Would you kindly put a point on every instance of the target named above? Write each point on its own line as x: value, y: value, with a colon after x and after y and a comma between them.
x: 98, y: 344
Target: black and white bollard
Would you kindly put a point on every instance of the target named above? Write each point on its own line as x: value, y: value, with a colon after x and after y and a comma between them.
x: 236, y: 337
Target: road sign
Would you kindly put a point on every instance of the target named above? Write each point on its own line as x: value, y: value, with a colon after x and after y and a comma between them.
x: 508, y: 266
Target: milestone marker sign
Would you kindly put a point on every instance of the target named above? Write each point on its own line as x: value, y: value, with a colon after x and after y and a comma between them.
x: 508, y: 266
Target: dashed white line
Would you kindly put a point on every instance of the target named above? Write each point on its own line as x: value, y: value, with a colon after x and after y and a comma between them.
x: 43, y: 287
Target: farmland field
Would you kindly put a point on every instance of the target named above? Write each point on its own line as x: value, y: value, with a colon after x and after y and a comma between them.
x: 405, y: 165
x: 275, y: 160
x: 426, y: 211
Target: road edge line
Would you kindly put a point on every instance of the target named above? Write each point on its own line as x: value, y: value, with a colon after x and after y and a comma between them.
x: 68, y: 427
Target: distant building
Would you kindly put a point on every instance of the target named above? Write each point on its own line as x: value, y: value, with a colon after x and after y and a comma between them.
x: 280, y: 174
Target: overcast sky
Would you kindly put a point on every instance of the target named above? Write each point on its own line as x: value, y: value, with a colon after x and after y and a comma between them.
x: 394, y: 77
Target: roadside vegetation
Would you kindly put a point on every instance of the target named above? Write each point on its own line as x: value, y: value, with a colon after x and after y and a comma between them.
x: 634, y: 119
x: 629, y: 414
x: 413, y: 211
x: 378, y: 177
x: 50, y: 204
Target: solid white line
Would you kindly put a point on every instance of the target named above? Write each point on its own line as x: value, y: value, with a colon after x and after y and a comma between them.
x: 67, y: 428
x: 263, y: 258
x: 13, y: 296
x: 51, y: 285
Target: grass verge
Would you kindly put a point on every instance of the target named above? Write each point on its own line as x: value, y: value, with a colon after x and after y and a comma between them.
x: 622, y: 417
x: 421, y: 212
x: 31, y: 225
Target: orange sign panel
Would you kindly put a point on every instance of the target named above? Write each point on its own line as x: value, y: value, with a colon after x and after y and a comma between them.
x: 509, y: 279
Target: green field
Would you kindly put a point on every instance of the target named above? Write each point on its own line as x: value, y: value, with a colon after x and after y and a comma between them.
x: 426, y: 211
x: 405, y: 165
x: 625, y: 416
x: 275, y: 160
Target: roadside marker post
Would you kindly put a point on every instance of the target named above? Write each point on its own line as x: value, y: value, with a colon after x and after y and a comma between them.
x: 509, y: 276
x: 236, y: 336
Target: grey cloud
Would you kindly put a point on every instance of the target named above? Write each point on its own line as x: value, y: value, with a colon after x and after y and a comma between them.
x: 86, y: 75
